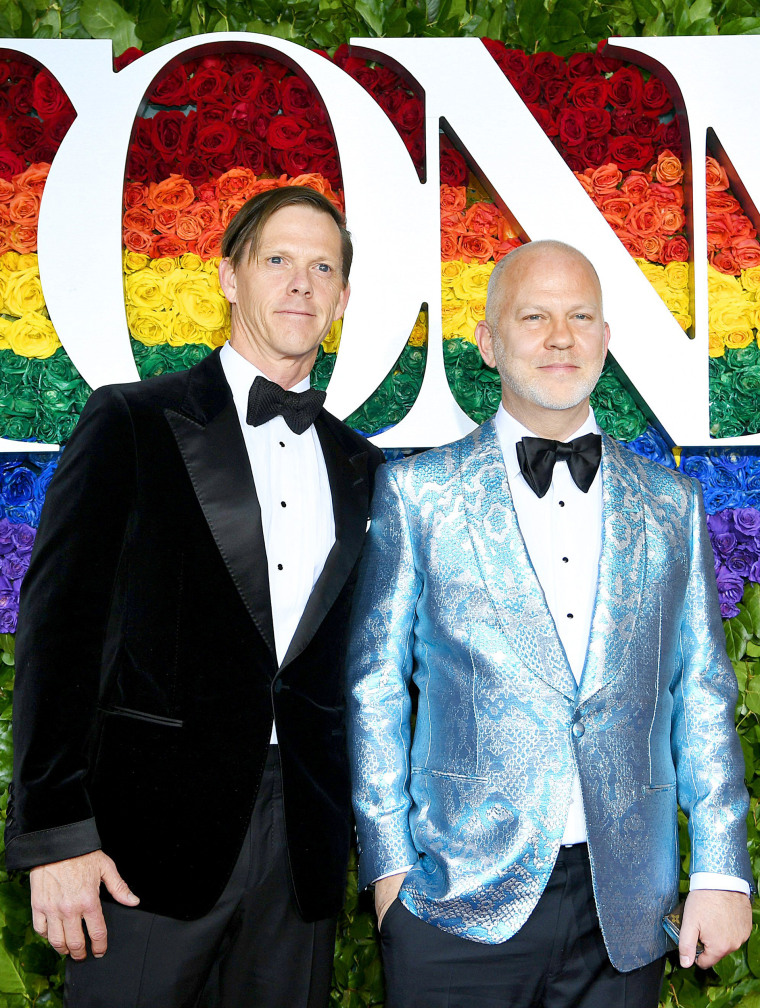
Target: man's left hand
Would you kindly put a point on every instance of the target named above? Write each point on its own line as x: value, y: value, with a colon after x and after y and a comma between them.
x: 721, y: 920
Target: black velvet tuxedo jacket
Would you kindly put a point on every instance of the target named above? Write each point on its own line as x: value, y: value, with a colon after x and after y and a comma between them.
x: 146, y: 672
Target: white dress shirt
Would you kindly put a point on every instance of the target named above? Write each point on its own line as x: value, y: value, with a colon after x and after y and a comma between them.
x: 563, y: 536
x: 291, y: 482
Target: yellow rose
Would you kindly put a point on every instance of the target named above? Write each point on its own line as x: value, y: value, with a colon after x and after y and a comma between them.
x: 684, y: 320
x: 454, y: 319
x: 677, y: 275
x: 716, y: 347
x: 33, y: 335
x: 677, y: 301
x: 5, y: 327
x: 191, y: 261
x: 727, y: 313
x: 652, y: 271
x: 476, y: 312
x: 211, y: 265
x: 450, y: 272
x: 721, y: 283
x: 23, y: 292
x: 149, y: 326
x: 10, y: 261
x: 202, y: 301
x: 217, y: 338
x: 418, y: 335
x: 184, y: 330
x: 164, y: 266
x: 146, y: 289
x: 331, y: 342
x: 737, y: 339
x: 751, y: 279
x: 134, y: 261
x: 473, y: 281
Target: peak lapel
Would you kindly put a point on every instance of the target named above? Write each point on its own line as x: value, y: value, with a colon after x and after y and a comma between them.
x: 504, y: 562
x: 207, y: 431
x: 622, y: 565
x: 349, y: 488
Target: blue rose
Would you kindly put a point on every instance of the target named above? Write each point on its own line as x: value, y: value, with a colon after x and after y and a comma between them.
x: 17, y: 486
x: 652, y: 445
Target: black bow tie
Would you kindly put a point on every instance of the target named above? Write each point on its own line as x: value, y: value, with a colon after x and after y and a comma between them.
x: 538, y: 455
x: 267, y: 400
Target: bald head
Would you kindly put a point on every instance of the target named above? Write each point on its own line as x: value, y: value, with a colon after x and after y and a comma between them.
x: 508, y: 272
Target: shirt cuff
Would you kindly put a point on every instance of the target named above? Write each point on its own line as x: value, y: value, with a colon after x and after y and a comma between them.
x: 714, y: 880
x: 396, y: 871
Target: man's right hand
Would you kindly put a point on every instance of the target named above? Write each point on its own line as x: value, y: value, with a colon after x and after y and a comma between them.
x: 386, y: 890
x: 65, y: 893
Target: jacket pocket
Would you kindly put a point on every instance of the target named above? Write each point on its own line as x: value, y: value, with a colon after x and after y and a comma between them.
x: 145, y: 716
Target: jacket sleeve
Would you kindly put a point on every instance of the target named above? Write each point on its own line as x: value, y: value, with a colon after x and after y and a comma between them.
x: 64, y: 611
x: 380, y: 664
x: 706, y: 751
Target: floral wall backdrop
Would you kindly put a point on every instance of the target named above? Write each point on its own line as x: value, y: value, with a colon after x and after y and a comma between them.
x: 216, y: 130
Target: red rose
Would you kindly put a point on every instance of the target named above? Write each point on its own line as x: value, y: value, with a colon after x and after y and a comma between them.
x: 410, y: 116
x: 209, y: 110
x: 171, y: 88
x: 329, y: 168
x: 655, y: 98
x: 626, y: 88
x: 595, y: 151
x: 346, y: 61
x: 498, y: 50
x: 127, y: 57
x: 415, y: 145
x: 671, y: 136
x: 252, y: 153
x: 528, y: 86
x: 138, y: 165
x: 48, y: 97
x: 545, y: 120
x: 573, y: 160
x: 142, y: 135
x: 646, y: 128
x: 571, y: 126
x: 286, y: 132
x: 297, y: 97
x: 630, y: 152
x: 368, y: 78
x: 515, y: 61
x: 293, y: 161
x: 274, y: 71
x: 21, y: 69
x: 581, y: 65
x: 246, y: 83
x: 20, y: 96
x: 207, y: 82
x: 548, y: 66
x: 589, y: 94
x: 194, y: 169
x: 555, y: 92
x: 598, y: 122
x: 454, y: 169
x: 391, y: 101
x: 166, y: 132
x: 216, y: 138
x: 28, y: 134
x: 57, y: 126
x: 45, y: 150
x: 605, y: 64
x: 621, y: 120
x: 675, y: 249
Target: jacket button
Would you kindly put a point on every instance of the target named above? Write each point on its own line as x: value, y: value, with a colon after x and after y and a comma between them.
x: 278, y: 686
x: 579, y: 729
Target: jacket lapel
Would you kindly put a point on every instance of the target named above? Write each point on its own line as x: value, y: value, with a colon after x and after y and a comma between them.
x: 211, y: 443
x: 349, y: 488
x: 504, y: 564
x: 622, y: 565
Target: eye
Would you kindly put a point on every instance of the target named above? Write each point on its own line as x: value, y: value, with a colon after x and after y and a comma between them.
x: 324, y: 268
x: 275, y: 260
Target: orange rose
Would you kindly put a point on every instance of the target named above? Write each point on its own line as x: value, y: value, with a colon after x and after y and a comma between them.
x: 636, y: 187
x: 23, y: 238
x: 505, y: 247
x: 33, y: 179
x: 606, y: 178
x: 451, y: 220
x: 481, y: 218
x: 615, y: 221
x: 632, y: 243
x: 138, y: 219
x: 165, y: 221
x: 673, y: 220
x: 138, y: 241
x: 135, y: 194
x: 453, y: 198
x: 24, y: 208
x: 651, y: 246
x: 206, y: 192
x: 676, y: 249
x: 449, y: 248
x: 6, y: 191
x: 237, y: 184
x: 668, y: 169
x: 724, y: 261
x: 644, y: 219
x: 585, y: 183
x: 175, y: 192
x: 718, y: 232
x: 617, y: 204
x: 740, y: 226
x: 210, y: 242
x: 189, y: 228
x: 206, y: 213
x: 317, y: 182
x: 746, y: 252
x: 722, y: 202
x: 715, y: 175
x: 229, y: 210
x: 168, y: 246
x: 475, y: 248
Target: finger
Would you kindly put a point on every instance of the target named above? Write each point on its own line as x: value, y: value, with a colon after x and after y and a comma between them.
x: 74, y: 935
x: 117, y: 887
x: 56, y: 937
x: 687, y: 943
x: 39, y: 922
x: 97, y: 931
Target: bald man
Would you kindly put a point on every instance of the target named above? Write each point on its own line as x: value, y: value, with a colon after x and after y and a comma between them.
x: 551, y: 597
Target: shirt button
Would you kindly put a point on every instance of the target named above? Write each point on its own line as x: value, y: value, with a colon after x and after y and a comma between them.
x: 569, y: 615
x: 283, y: 504
x: 279, y: 566
x: 282, y: 444
x: 561, y: 503
x: 564, y: 560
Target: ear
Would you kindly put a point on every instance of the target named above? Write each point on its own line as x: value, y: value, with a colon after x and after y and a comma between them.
x: 228, y: 280
x: 342, y: 302
x: 484, y: 339
x: 606, y: 338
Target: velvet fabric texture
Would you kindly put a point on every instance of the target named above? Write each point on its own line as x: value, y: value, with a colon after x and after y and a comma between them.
x: 146, y: 672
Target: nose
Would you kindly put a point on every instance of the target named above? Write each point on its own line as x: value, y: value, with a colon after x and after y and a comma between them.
x: 300, y: 281
x: 560, y: 335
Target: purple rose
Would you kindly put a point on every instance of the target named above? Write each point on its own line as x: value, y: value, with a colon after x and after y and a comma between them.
x: 754, y: 574
x: 13, y: 566
x: 22, y: 536
x: 741, y: 562
x: 8, y: 620
x: 747, y: 521
x: 724, y: 543
x: 6, y: 536
x: 723, y: 521
x: 730, y: 590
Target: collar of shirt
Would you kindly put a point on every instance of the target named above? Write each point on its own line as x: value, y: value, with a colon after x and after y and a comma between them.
x: 240, y: 374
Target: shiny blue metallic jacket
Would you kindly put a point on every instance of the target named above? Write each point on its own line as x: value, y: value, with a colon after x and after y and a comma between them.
x: 477, y: 796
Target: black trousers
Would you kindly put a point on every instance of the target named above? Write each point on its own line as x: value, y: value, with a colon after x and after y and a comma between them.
x: 252, y: 950
x: 556, y: 960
